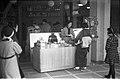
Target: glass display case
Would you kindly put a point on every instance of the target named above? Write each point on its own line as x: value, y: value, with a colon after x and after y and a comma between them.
x: 42, y: 39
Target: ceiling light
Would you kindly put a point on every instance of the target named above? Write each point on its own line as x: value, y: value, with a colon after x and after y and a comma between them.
x: 80, y: 4
x: 88, y: 7
x: 84, y: 2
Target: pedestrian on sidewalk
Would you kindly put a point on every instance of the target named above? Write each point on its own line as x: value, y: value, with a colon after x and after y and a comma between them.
x: 112, y: 55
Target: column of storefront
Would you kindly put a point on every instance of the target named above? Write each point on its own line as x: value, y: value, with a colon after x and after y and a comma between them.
x: 101, y: 10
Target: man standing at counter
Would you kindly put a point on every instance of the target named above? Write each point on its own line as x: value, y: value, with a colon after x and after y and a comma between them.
x: 45, y: 27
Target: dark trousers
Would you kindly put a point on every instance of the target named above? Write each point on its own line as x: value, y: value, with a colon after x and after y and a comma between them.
x: 112, y: 70
x: 21, y: 72
x: 81, y: 56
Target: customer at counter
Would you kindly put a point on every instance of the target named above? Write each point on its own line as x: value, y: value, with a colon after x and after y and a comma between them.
x: 9, y: 50
x: 84, y: 38
x: 67, y: 33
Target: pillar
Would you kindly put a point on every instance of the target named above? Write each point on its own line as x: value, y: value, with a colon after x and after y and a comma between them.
x: 101, y: 10
x: 19, y: 22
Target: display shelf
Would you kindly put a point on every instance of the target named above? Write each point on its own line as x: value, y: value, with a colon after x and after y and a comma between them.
x: 43, y: 10
x: 43, y: 14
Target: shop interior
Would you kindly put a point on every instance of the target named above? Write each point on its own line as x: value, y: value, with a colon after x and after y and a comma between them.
x: 26, y: 13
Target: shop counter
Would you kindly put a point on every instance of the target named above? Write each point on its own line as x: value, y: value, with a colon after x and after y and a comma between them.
x: 51, y: 59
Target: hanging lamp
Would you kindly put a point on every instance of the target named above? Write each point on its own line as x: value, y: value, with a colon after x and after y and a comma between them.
x: 84, y: 2
x: 51, y: 3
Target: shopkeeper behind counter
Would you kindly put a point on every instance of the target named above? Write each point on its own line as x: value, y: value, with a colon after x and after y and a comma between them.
x: 67, y: 34
x: 52, y: 38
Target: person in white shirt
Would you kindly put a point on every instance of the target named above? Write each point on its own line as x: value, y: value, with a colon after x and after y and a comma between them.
x: 9, y: 50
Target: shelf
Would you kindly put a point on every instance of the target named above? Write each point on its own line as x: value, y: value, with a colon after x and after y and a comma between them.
x: 43, y: 14
x: 43, y: 8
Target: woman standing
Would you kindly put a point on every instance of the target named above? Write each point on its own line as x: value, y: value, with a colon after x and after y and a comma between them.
x: 112, y: 55
x: 8, y: 54
x: 84, y: 38
x: 67, y: 33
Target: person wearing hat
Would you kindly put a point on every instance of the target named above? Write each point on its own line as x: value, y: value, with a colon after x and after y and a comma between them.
x: 112, y: 55
x: 8, y: 49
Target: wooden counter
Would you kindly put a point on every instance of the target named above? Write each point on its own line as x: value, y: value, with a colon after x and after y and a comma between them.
x: 54, y: 58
